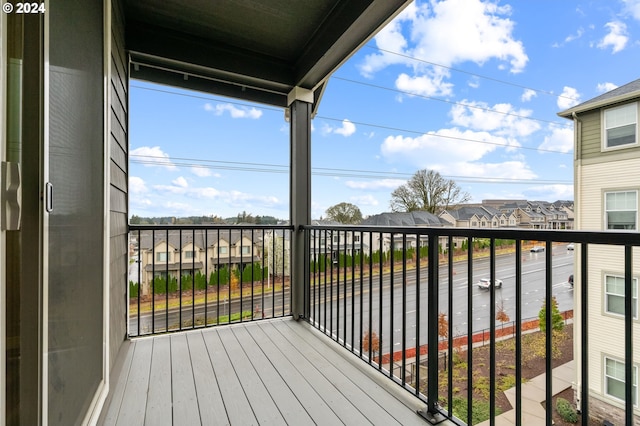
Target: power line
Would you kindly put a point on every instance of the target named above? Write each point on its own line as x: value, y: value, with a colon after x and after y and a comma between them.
x: 378, y: 126
x: 433, y: 98
x: 161, y: 161
x: 497, y: 80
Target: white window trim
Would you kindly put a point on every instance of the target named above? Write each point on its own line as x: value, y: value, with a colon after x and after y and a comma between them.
x: 606, y: 295
x: 604, y: 378
x: 604, y: 146
x: 604, y: 208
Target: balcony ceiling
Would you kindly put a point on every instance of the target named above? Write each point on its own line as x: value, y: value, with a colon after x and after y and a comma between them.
x: 256, y: 50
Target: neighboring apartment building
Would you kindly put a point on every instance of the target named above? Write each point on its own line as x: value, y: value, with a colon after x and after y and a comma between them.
x: 607, y: 187
x: 479, y: 217
x: 190, y: 252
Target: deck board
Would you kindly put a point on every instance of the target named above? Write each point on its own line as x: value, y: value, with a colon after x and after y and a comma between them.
x: 237, y: 405
x: 183, y: 388
x: 134, y: 401
x: 271, y: 372
x: 327, y: 390
x: 207, y: 390
x: 305, y: 393
x: 290, y: 408
x: 159, y: 396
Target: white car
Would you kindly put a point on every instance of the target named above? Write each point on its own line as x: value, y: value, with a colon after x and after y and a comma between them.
x: 485, y: 283
x: 570, y: 246
x: 537, y: 249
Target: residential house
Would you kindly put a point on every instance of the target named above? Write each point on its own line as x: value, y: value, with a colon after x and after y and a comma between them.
x: 607, y: 186
x: 178, y: 253
x: 479, y: 217
x: 418, y: 219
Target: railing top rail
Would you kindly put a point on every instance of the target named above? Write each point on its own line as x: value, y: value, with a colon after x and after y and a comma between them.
x: 205, y: 226
x: 620, y: 238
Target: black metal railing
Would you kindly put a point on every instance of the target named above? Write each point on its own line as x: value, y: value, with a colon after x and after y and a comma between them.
x: 188, y: 276
x: 399, y: 297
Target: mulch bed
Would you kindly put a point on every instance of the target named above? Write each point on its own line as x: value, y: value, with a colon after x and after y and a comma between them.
x: 532, y: 362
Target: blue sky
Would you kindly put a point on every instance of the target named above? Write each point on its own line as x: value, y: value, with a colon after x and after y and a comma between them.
x: 469, y: 88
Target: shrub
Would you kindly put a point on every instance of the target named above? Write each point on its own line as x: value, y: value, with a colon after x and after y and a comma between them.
x: 557, y: 322
x: 566, y: 410
x: 133, y: 289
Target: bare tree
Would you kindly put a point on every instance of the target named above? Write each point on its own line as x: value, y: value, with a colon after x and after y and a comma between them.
x: 427, y: 190
x: 346, y: 213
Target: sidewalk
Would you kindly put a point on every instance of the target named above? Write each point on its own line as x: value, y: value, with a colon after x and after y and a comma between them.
x: 533, y: 393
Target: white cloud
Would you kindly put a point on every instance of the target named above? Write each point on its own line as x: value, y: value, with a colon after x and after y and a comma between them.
x: 137, y: 185
x: 424, y: 85
x: 568, y: 98
x: 571, y: 37
x: 499, y: 119
x: 442, y: 147
x: 449, y: 32
x: 365, y: 200
x: 347, y: 129
x: 528, y: 94
x: 373, y: 185
x: 606, y: 87
x: 181, y: 182
x: 474, y: 82
x: 616, y: 38
x: 152, y: 157
x: 560, y: 139
x: 504, y: 170
x: 552, y: 192
x: 633, y: 8
x: 234, y: 111
x: 203, y: 171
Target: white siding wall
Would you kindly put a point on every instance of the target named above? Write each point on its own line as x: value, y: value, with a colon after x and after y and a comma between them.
x: 606, y: 332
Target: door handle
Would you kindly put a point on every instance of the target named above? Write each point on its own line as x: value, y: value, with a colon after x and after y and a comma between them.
x: 10, y: 196
x: 48, y: 187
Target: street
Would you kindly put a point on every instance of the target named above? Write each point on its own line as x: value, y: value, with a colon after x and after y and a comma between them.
x: 330, y: 302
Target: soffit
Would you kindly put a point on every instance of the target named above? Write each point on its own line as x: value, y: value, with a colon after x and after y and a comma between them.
x: 257, y: 50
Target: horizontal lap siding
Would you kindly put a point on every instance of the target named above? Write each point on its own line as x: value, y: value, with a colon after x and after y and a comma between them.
x: 118, y: 182
x: 606, y: 331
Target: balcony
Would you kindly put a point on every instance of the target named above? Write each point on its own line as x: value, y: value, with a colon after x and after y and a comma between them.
x: 386, y: 324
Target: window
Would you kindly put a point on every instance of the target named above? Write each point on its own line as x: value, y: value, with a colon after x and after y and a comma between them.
x: 621, y: 209
x: 188, y: 254
x: 620, y: 126
x: 614, y: 380
x: 356, y: 238
x: 222, y: 250
x: 246, y: 250
x: 161, y: 256
x: 614, y: 295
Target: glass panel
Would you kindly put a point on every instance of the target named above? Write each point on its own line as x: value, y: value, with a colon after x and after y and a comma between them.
x: 615, y: 304
x: 76, y: 241
x: 620, y: 116
x: 621, y: 220
x: 625, y: 135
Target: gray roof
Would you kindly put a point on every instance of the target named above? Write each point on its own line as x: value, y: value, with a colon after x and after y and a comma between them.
x: 212, y: 237
x: 416, y: 218
x: 622, y: 93
x: 467, y: 212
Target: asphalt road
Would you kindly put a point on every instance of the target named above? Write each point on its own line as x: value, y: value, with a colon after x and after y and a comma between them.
x: 533, y: 294
x: 341, y: 298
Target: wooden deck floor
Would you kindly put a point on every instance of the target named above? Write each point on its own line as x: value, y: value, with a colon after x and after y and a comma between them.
x: 271, y: 372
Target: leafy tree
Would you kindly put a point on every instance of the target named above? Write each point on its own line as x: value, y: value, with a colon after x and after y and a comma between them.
x: 375, y: 342
x: 427, y: 190
x: 443, y: 325
x: 346, y: 213
x: 557, y: 323
x: 501, y: 313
